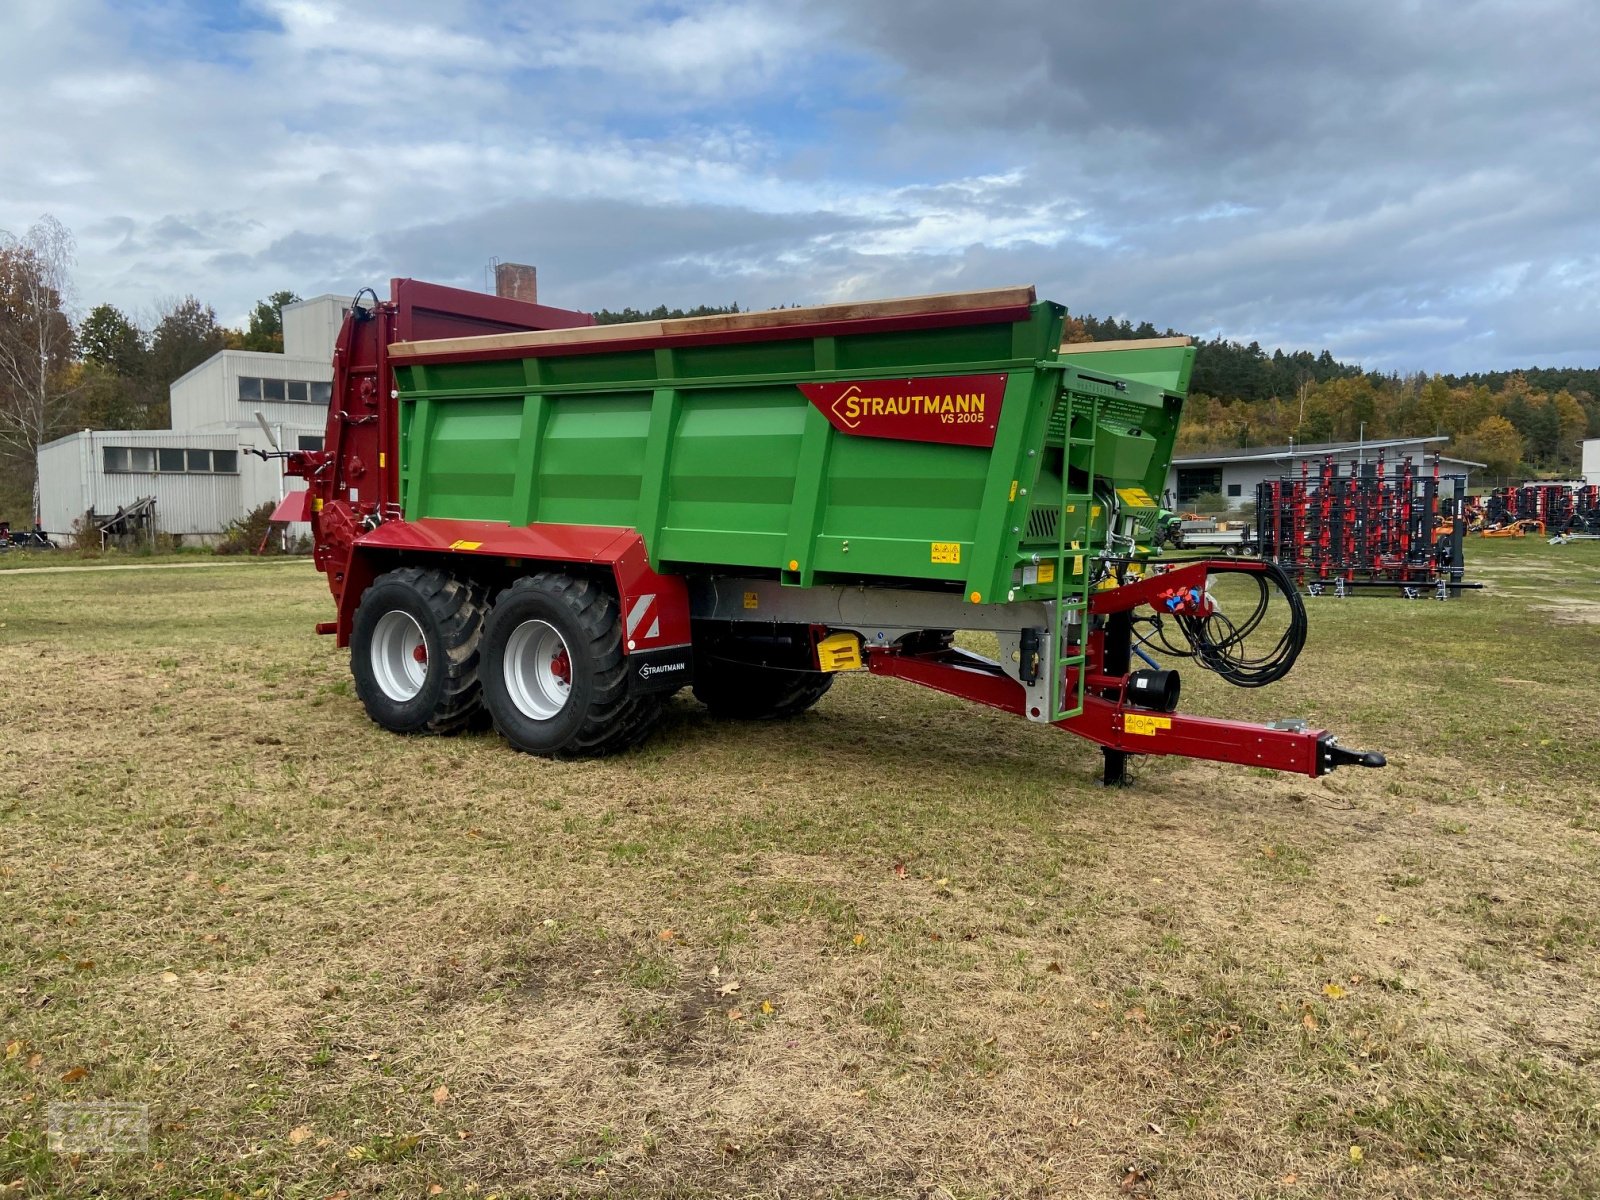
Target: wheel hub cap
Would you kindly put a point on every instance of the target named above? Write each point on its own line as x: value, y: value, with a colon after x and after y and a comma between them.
x: 538, y: 670
x: 399, y: 656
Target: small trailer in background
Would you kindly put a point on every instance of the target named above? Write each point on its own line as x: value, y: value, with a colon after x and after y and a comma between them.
x: 562, y: 524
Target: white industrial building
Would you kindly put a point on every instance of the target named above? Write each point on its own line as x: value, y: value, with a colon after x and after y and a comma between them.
x: 1591, y: 461
x: 198, y: 471
x: 1234, y: 474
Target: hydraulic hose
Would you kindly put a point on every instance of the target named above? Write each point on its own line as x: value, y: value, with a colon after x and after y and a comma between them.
x: 1217, y: 642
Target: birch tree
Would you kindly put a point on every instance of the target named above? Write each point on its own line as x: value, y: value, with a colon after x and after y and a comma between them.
x: 35, y: 343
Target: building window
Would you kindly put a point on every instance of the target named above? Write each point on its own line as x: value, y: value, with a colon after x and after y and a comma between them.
x: 169, y: 460
x: 1194, y: 482
x: 1235, y: 490
x: 254, y: 390
x: 309, y: 443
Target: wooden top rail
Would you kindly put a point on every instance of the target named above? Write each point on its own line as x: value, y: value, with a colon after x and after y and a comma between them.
x: 1125, y: 344
x: 778, y: 318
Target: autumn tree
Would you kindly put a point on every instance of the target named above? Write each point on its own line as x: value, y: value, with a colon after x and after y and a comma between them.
x: 1495, y: 442
x: 265, y: 330
x: 36, y: 388
x: 185, y: 336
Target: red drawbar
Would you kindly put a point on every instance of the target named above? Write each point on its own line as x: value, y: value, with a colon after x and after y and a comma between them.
x: 655, y: 608
x: 1109, y: 722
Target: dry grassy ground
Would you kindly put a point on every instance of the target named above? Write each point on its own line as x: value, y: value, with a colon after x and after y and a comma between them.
x: 900, y: 946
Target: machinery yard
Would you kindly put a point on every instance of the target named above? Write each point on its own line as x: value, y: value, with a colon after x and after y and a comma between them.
x: 899, y: 945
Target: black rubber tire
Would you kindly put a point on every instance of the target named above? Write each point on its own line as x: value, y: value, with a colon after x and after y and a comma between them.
x: 450, y: 613
x: 754, y: 692
x: 598, y: 716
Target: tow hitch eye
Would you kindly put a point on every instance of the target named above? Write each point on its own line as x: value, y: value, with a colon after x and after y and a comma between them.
x: 1331, y: 755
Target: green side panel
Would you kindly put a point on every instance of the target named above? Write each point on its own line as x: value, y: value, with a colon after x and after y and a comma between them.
x: 591, y: 461
x: 718, y: 459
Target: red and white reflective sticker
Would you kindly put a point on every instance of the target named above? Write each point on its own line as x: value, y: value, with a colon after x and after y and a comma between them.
x: 642, y: 607
x: 959, y: 410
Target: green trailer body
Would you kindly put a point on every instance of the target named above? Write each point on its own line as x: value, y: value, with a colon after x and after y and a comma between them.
x: 566, y: 524
x: 720, y: 461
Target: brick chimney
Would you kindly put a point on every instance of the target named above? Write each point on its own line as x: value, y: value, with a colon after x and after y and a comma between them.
x: 514, y: 281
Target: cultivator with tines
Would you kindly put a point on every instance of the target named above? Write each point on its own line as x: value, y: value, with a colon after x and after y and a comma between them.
x: 1370, y: 528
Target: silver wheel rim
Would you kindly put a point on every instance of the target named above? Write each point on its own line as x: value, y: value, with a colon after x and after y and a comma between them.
x: 538, y: 670
x: 399, y: 656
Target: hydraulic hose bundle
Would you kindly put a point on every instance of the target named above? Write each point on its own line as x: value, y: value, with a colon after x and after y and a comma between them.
x: 1217, y: 642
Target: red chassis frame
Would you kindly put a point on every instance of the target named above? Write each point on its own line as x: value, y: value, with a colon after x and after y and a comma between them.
x: 1106, y: 714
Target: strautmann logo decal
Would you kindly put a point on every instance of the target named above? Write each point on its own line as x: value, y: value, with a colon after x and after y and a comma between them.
x: 850, y: 408
x: 962, y: 410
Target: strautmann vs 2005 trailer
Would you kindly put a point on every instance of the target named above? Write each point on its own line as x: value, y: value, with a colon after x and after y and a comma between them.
x: 561, y: 523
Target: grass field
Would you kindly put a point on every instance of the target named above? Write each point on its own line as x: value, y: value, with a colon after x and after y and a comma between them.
x: 900, y: 946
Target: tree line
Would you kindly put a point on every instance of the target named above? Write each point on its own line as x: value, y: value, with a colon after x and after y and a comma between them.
x: 107, y: 370
x: 1524, y: 422
x: 112, y: 370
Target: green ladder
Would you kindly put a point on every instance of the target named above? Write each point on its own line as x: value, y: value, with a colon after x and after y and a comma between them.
x: 1072, y: 586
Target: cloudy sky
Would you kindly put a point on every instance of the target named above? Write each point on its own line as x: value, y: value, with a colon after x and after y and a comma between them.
x: 1410, y: 183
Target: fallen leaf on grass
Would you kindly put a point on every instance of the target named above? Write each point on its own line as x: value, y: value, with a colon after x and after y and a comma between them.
x: 859, y: 940
x: 1381, y: 919
x: 900, y: 870
x: 84, y: 964
x: 666, y: 935
x: 1136, y: 1013
x: 13, y: 1049
x: 75, y: 1074
x: 768, y: 1008
x: 441, y: 1094
x: 1357, y: 1154
x: 169, y: 977
x: 728, y: 988
x: 1309, y: 1021
x: 1333, y: 991
x: 735, y: 1014
x: 299, y: 1134
x: 1054, y: 968
x: 1290, y: 1179
x: 436, y: 1189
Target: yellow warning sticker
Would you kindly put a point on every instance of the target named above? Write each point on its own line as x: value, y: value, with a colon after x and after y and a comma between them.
x: 947, y: 552
x: 316, y: 504
x: 1094, y: 511
x: 1077, y: 565
x: 1135, y: 497
x: 1047, y: 572
x: 751, y: 600
x: 463, y: 545
x: 1014, y: 489
x: 383, y: 460
x: 1145, y: 723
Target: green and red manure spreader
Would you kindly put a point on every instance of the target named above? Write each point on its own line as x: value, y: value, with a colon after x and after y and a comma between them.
x: 561, y: 524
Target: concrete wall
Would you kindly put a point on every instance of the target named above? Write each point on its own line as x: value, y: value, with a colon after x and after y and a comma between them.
x: 310, y: 327
x: 208, y: 396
